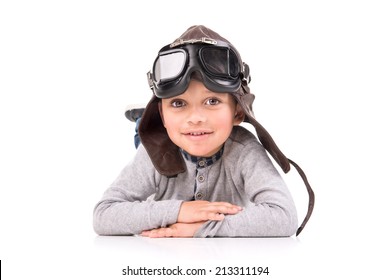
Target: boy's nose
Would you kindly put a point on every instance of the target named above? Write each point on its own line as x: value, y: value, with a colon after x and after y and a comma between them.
x: 196, y: 115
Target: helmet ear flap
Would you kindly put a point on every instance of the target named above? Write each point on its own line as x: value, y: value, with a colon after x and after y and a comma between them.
x: 164, y: 154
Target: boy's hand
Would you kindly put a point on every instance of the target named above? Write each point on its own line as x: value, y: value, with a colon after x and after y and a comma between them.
x: 201, y: 210
x: 174, y: 230
x: 192, y: 215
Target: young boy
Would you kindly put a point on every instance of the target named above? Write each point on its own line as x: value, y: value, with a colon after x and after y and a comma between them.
x: 198, y: 173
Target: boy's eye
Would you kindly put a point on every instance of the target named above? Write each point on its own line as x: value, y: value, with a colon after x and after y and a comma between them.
x: 212, y: 101
x: 177, y: 103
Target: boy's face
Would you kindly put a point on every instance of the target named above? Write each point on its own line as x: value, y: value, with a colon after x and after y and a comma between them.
x: 199, y: 121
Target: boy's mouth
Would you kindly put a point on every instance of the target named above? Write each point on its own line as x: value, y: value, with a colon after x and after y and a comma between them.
x: 197, y: 133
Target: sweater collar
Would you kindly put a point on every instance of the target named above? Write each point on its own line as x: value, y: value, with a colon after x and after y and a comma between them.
x: 202, y: 162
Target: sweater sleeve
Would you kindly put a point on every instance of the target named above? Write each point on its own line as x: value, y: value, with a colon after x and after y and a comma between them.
x: 127, y: 206
x: 270, y: 211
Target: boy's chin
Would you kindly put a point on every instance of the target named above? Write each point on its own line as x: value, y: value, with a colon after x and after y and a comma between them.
x: 202, y: 152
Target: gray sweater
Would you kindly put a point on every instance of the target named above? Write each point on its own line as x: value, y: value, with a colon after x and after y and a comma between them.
x: 141, y: 198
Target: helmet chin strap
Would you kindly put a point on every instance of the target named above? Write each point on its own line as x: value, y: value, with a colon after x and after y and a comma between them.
x: 311, y: 196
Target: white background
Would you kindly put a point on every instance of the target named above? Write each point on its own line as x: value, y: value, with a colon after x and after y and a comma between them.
x: 68, y: 69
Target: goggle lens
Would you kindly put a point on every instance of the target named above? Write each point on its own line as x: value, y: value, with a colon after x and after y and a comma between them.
x: 169, y: 66
x: 221, y: 62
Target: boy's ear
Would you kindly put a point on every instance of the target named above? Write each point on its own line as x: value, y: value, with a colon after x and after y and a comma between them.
x: 161, y: 112
x: 239, y: 116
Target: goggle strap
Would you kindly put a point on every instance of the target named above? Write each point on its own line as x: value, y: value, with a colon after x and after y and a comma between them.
x: 150, y: 80
x: 246, y: 77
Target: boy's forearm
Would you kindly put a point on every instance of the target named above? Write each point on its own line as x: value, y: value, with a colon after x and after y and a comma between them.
x: 174, y: 230
x: 128, y: 218
x: 254, y: 221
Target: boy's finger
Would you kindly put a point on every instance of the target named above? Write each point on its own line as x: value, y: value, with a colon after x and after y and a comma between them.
x: 223, y: 209
x: 215, y: 217
x: 225, y: 204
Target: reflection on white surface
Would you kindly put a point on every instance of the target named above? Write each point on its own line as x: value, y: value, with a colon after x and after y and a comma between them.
x: 279, y: 254
x: 196, y: 248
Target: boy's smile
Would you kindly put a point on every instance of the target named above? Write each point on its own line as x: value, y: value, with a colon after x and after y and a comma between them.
x: 199, y: 121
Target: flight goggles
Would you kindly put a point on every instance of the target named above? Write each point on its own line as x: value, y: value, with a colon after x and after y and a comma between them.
x: 218, y: 63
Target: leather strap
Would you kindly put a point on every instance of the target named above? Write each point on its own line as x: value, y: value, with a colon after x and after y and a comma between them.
x: 311, y: 196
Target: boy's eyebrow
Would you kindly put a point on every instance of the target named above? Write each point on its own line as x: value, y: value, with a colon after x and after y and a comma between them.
x: 207, y: 94
x: 217, y: 94
x: 178, y: 97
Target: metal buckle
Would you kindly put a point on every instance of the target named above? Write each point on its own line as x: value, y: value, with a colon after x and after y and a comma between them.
x: 203, y: 40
